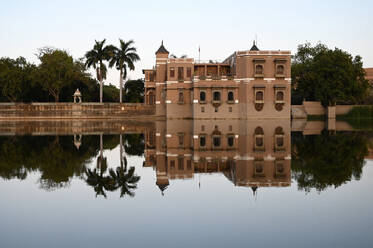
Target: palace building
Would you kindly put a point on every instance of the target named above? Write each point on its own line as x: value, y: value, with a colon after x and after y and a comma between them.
x: 248, y: 84
x: 250, y: 153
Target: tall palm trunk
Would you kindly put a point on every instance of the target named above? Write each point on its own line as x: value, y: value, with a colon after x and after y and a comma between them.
x: 101, y: 93
x: 99, y: 77
x: 121, y: 150
x: 101, y: 150
x: 120, y: 85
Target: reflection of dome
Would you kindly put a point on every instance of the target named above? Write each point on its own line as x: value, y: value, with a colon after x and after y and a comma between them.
x: 162, y: 185
x: 254, y: 189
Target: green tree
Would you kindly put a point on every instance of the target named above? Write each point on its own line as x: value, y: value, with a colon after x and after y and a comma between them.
x: 134, y: 91
x: 95, y: 58
x: 111, y: 93
x: 329, y: 76
x: 56, y: 71
x: 15, y: 78
x: 123, y: 57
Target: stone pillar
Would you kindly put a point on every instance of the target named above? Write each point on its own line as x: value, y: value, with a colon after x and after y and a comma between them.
x: 331, y: 112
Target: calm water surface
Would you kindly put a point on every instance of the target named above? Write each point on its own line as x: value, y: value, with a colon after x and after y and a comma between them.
x: 84, y: 190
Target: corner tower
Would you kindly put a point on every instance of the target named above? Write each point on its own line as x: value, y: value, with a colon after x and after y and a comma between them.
x: 160, y: 79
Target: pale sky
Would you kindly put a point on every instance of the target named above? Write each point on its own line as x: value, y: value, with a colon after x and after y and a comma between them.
x: 218, y: 27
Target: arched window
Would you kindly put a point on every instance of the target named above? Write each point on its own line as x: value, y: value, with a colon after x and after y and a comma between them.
x: 230, y: 96
x: 279, y: 130
x: 216, y: 96
x: 259, y: 137
x: 202, y: 96
x: 258, y: 69
x: 259, y: 96
x: 280, y: 168
x: 280, y: 69
x: 259, y: 130
x: 279, y: 138
x: 279, y: 96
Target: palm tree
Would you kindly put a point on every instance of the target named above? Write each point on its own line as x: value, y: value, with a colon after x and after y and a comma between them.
x: 123, y: 57
x: 95, y: 58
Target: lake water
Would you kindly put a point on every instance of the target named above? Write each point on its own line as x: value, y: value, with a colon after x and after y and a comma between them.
x: 185, y: 184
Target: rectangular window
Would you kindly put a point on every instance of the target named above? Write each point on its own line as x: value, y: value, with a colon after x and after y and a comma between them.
x: 230, y: 141
x: 189, y: 164
x: 172, y: 164
x: 180, y: 73
x: 202, y: 109
x: 180, y: 163
x: 216, y: 141
x: 181, y: 139
x: 230, y: 109
x: 189, y: 72
x: 202, y: 141
x: 172, y: 72
x: 181, y: 97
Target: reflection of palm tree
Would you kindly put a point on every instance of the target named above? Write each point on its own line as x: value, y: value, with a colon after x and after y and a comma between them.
x: 127, y: 182
x: 97, y: 180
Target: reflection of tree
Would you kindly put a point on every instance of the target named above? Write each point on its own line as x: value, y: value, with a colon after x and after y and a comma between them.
x: 134, y: 144
x: 55, y: 157
x: 320, y: 161
x: 116, y: 179
x: 125, y: 181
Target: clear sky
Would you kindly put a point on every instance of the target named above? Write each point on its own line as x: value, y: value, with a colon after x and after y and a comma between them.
x: 218, y: 27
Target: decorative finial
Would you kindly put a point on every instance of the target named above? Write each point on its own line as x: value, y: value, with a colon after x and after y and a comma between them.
x: 162, y: 43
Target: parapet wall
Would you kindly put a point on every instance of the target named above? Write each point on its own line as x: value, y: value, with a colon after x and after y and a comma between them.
x: 75, y: 111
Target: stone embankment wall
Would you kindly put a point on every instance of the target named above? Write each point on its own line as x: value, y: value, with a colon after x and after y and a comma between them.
x: 69, y: 127
x: 315, y: 108
x: 75, y: 111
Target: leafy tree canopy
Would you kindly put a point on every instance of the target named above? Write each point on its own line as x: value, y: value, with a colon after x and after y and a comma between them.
x: 329, y: 76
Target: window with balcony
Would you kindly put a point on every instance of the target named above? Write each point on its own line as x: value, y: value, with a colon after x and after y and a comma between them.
x: 216, y: 96
x: 259, y: 96
x: 280, y: 70
x: 279, y: 138
x: 259, y: 168
x: 259, y: 99
x: 280, y: 96
x: 259, y: 70
x: 259, y: 138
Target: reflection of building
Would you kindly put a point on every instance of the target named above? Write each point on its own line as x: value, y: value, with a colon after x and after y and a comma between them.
x: 247, y: 84
x: 249, y: 153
